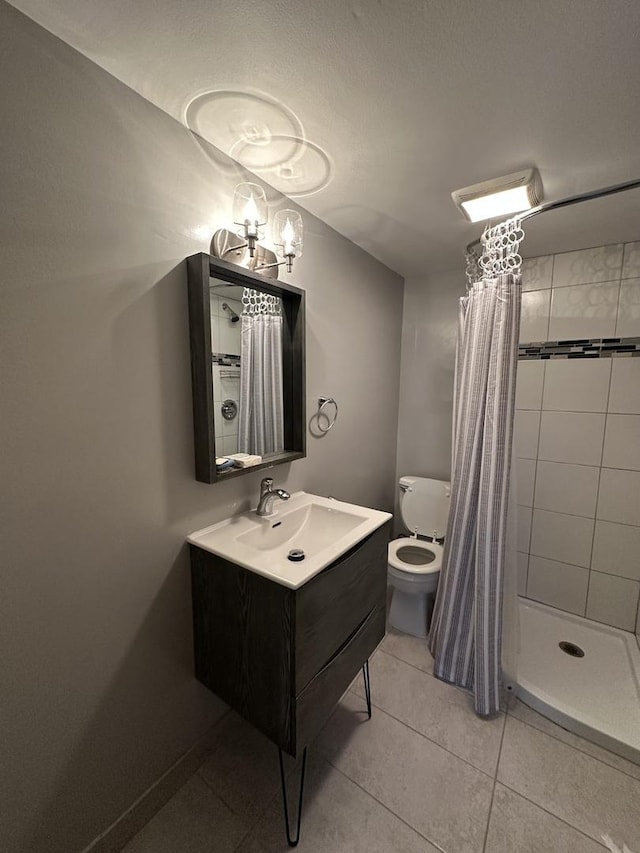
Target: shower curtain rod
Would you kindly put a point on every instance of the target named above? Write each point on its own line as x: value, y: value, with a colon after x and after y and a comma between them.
x: 573, y: 199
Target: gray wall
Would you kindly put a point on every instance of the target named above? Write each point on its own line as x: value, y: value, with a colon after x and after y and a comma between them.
x: 103, y: 196
x: 430, y: 326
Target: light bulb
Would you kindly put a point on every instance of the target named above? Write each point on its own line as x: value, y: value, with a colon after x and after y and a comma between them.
x: 287, y: 230
x: 250, y: 213
x: 251, y: 217
x: 288, y: 237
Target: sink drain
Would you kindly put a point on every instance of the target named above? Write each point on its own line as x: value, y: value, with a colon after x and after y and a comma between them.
x: 571, y: 649
x: 296, y: 555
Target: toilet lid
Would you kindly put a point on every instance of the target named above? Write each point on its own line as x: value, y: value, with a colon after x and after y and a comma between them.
x: 415, y: 555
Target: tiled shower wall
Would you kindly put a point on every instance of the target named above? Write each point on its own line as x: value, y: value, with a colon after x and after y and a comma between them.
x: 577, y: 435
x: 225, y: 341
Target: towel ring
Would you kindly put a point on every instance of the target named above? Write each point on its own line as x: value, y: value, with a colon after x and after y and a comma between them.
x: 322, y: 402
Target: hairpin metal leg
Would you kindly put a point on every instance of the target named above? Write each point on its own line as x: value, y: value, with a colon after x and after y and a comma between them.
x: 292, y: 841
x: 367, y: 686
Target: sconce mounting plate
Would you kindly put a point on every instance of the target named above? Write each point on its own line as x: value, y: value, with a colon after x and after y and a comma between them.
x: 224, y: 243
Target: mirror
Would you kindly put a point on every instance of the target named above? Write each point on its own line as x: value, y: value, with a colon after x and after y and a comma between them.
x: 247, y: 367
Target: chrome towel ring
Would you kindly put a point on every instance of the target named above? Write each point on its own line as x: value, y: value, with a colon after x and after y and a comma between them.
x: 322, y: 402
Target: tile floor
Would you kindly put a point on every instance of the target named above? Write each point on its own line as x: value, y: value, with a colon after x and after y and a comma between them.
x: 423, y: 775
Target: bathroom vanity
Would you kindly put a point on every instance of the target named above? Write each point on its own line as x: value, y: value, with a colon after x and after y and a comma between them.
x: 278, y: 640
x: 287, y: 608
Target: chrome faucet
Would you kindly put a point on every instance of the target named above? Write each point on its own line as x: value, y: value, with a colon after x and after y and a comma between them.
x: 267, y: 494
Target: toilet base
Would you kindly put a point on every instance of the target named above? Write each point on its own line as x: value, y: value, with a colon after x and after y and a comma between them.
x: 411, y: 612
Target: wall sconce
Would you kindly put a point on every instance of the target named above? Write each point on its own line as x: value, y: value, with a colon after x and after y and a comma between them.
x: 500, y: 196
x: 250, y: 217
x: 288, y: 231
x: 249, y: 213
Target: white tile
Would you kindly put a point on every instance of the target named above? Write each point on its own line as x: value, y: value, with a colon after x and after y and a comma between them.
x: 215, y: 334
x: 519, y: 826
x: 235, y: 304
x: 558, y: 584
x: 215, y: 305
x: 440, y: 795
x: 603, y: 263
x: 573, y: 437
x: 225, y: 387
x: 241, y: 768
x: 229, y: 337
x: 215, y: 380
x: 577, y: 788
x: 572, y: 489
x: 628, y: 324
x: 229, y: 444
x: 616, y: 550
x: 188, y: 822
x: 527, y: 715
x: 525, y: 478
x: 537, y: 273
x: 584, y: 311
x: 560, y: 537
x: 529, y: 384
x: 523, y: 528
x: 432, y: 708
x: 229, y: 386
x: 534, y: 319
x: 338, y: 815
x: 577, y: 384
x: 622, y: 442
x: 619, y: 496
x: 526, y: 430
x: 613, y: 600
x: 413, y: 650
x: 631, y: 265
x: 523, y: 568
x: 226, y: 427
x: 624, y: 396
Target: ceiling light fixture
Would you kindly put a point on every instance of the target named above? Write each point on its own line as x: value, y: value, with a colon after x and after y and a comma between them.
x: 509, y: 194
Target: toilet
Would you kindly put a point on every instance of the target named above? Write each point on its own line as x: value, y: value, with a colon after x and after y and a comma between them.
x: 414, y: 563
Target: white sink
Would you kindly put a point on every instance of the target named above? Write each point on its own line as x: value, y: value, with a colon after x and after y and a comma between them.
x: 320, y: 527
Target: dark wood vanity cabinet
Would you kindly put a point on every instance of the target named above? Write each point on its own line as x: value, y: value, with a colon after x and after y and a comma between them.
x: 282, y: 657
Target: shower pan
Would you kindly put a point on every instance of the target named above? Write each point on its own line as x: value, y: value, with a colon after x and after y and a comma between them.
x: 595, y: 694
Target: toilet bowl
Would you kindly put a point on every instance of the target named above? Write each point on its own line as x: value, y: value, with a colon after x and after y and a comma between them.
x: 414, y: 563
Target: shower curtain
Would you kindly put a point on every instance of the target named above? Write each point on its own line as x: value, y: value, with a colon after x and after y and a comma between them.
x: 261, y: 409
x: 466, y: 631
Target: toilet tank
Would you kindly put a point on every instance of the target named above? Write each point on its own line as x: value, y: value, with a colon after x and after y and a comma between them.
x: 424, y: 505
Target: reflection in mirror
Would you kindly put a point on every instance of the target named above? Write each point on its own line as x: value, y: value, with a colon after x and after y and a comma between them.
x: 246, y: 347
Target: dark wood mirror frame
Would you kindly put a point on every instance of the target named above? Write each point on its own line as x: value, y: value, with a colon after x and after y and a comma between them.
x: 200, y: 268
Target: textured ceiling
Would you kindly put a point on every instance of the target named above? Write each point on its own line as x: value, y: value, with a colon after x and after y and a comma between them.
x: 370, y: 112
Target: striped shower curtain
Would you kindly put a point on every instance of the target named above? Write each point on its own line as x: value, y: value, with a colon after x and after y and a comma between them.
x: 261, y: 410
x: 466, y: 631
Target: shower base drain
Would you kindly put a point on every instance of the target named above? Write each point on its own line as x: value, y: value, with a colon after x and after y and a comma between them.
x: 571, y: 649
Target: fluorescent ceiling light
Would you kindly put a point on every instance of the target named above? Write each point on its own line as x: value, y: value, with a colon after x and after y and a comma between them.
x: 491, y: 199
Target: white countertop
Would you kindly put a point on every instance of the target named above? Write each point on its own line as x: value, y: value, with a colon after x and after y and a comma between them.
x: 322, y: 527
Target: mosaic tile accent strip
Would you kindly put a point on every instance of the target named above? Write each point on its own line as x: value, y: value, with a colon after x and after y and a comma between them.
x: 584, y: 348
x: 225, y: 359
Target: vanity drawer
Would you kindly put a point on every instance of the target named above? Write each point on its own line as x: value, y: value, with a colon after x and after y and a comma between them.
x: 316, y: 702
x: 331, y: 605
